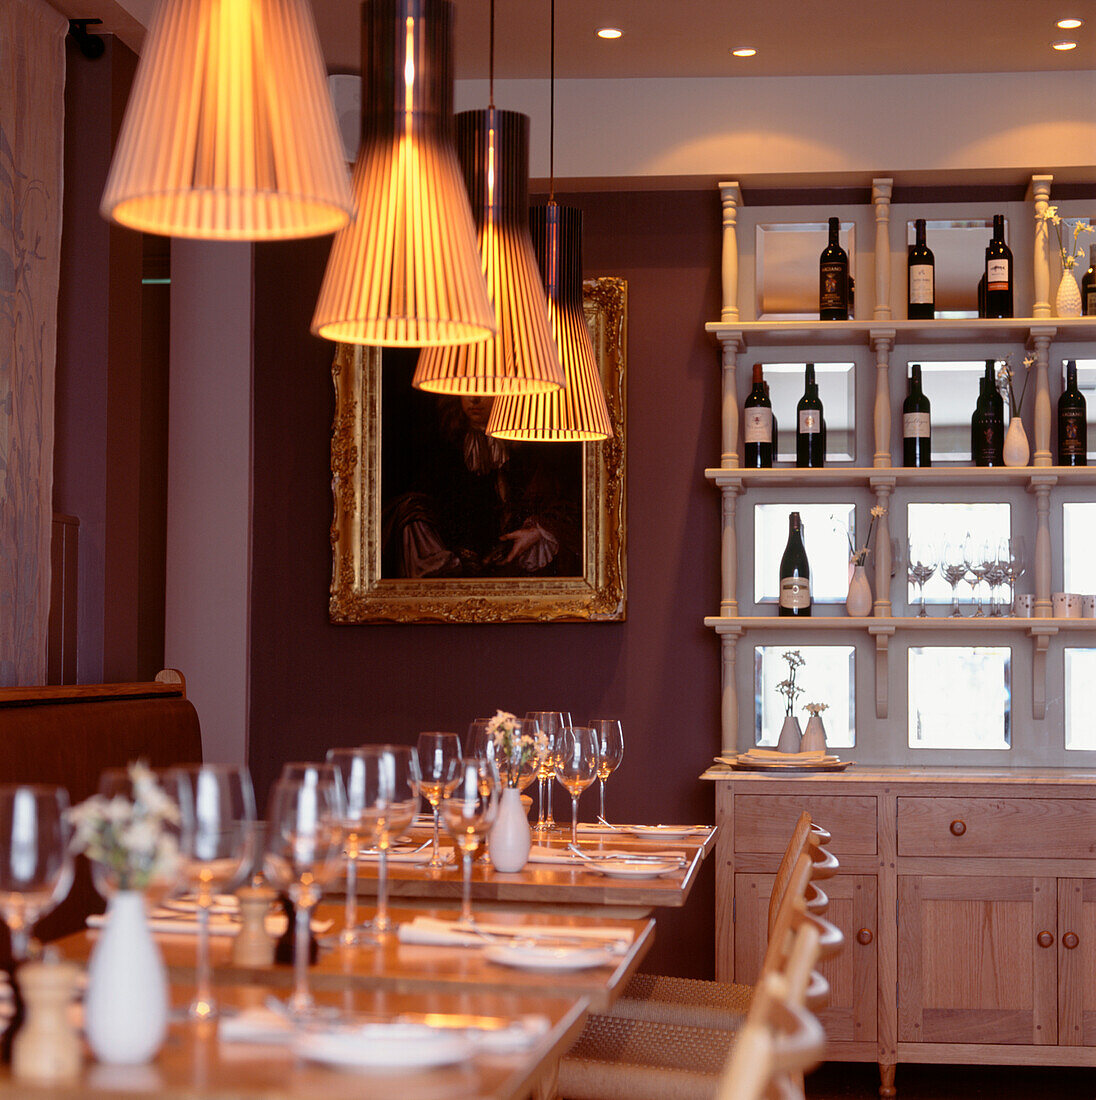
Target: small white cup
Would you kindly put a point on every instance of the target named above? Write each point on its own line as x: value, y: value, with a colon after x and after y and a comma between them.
x: 1067, y: 605
x: 1058, y: 604
x: 1088, y: 607
x: 1025, y: 605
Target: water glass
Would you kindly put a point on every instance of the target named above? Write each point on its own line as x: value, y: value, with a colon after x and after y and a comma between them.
x: 469, y: 811
x: 610, y: 745
x: 549, y: 722
x: 350, y: 764
x: 439, y: 761
x: 576, y: 766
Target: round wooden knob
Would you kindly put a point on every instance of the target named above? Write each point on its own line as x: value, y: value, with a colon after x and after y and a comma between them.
x: 1070, y: 940
x: 958, y: 828
x: 864, y: 936
x: 1044, y: 939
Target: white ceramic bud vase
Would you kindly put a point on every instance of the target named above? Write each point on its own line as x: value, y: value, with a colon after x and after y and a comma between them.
x: 126, y: 1005
x: 814, y: 738
x: 858, y: 602
x: 510, y: 838
x: 1016, y: 450
x: 790, y: 735
x: 1067, y: 302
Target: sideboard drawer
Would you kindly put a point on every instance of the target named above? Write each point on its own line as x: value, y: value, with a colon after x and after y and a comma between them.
x: 763, y: 823
x: 1052, y: 828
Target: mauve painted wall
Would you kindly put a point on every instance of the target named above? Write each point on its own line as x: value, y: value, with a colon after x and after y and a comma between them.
x: 314, y: 685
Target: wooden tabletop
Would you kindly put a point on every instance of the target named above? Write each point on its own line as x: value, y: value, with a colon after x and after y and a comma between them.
x: 195, y: 1064
x: 413, y: 968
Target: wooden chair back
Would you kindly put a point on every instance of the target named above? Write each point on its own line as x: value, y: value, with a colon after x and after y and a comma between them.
x: 796, y: 843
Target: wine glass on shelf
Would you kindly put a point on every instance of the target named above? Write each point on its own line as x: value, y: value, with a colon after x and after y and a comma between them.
x: 439, y: 762
x: 35, y: 861
x: 610, y: 745
x: 302, y: 854
x: 954, y: 567
x: 996, y: 572
x: 350, y: 764
x: 922, y: 565
x: 976, y: 555
x: 550, y: 723
x: 576, y: 766
x: 469, y: 812
x: 392, y: 784
x: 1017, y: 567
x: 217, y: 807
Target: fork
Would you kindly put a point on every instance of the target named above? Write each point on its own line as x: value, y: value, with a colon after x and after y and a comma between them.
x: 639, y: 857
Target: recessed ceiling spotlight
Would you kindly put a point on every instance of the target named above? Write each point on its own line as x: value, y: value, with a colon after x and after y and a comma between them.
x: 1064, y: 45
x: 1070, y: 24
x: 609, y: 32
x: 744, y: 51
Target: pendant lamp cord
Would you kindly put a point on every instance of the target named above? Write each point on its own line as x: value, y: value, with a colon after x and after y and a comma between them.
x: 491, y: 61
x: 552, y: 110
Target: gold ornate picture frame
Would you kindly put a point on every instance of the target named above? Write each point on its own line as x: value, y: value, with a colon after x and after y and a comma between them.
x: 362, y: 587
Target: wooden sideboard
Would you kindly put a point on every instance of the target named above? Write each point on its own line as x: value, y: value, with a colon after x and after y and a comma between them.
x: 967, y: 897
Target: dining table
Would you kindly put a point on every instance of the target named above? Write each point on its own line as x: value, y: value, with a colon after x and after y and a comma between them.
x: 497, y: 1045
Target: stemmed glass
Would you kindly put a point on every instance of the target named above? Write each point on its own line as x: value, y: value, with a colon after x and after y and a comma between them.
x: 550, y: 723
x: 303, y: 849
x: 35, y: 861
x: 469, y: 811
x: 217, y: 806
x: 439, y: 762
x: 954, y: 567
x: 392, y: 784
x: 922, y: 565
x: 350, y: 764
x: 996, y: 572
x: 1017, y: 567
x: 610, y: 747
x: 976, y: 555
x: 576, y: 766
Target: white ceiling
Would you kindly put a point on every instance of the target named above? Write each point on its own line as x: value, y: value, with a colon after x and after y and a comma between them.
x: 693, y: 38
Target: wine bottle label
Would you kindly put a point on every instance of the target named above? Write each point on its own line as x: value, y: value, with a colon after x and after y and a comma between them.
x: 810, y: 422
x: 758, y: 426
x: 921, y: 285
x: 915, y: 426
x: 1071, y: 429
x: 997, y: 274
x: 795, y: 592
x: 834, y: 286
x: 1090, y: 302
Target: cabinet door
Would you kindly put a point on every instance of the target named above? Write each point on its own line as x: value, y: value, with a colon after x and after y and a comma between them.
x: 977, y: 959
x: 851, y: 1013
x: 1077, y: 962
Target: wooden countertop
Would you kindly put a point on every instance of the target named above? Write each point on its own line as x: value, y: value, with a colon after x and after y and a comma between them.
x: 1066, y: 777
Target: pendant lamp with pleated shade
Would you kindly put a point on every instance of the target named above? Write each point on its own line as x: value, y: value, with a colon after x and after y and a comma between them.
x: 229, y: 132
x: 579, y: 411
x: 493, y: 149
x: 407, y: 270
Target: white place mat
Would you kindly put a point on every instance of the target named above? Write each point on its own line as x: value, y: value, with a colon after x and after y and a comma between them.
x: 446, y: 933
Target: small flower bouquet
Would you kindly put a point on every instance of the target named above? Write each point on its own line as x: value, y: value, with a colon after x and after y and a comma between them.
x: 859, y: 557
x: 1070, y: 250
x: 815, y: 709
x: 1006, y: 386
x: 133, y: 841
x: 788, y: 687
x: 517, y: 754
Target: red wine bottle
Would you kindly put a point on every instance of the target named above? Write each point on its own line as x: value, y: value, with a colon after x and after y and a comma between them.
x: 1088, y: 285
x: 916, y: 424
x: 833, y: 278
x: 757, y: 425
x: 1072, y: 421
x: 998, y: 272
x: 987, y: 426
x: 810, y: 443
x: 921, y: 267
x: 776, y: 453
x: 795, y: 572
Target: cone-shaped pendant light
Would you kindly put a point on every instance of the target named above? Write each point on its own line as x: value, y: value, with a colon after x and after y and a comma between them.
x: 578, y: 412
x: 406, y: 271
x: 229, y: 133
x: 493, y: 148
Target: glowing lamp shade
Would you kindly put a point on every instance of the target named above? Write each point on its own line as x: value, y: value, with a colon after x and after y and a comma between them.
x: 493, y: 148
x: 229, y: 133
x: 577, y: 412
x: 407, y: 270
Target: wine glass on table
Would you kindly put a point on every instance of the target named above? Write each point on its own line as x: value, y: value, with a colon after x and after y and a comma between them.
x: 576, y: 766
x: 35, y: 861
x: 469, y: 811
x: 550, y: 722
x: 610, y: 744
x: 350, y: 764
x: 439, y: 761
x: 217, y: 807
x: 302, y: 854
x: 392, y: 785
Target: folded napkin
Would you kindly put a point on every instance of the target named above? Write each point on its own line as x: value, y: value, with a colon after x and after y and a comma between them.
x: 539, y: 854
x: 608, y: 830
x: 447, y: 933
x: 406, y: 855
x: 171, y: 922
x: 768, y: 756
x: 255, y: 1025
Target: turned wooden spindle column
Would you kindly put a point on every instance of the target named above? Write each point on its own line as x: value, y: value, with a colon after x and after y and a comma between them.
x: 728, y: 709
x: 881, y: 608
x: 1040, y: 486
x: 882, y: 341
x: 1040, y: 339
x: 881, y: 200
x: 728, y: 603
x: 730, y: 345
x: 1039, y: 195
x: 731, y: 195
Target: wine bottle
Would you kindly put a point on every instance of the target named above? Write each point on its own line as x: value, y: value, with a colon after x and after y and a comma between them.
x: 1088, y: 285
x: 987, y: 427
x: 757, y: 427
x: 795, y: 572
x: 1072, y: 422
x: 982, y: 295
x: 916, y: 425
x: 776, y: 453
x: 998, y: 272
x: 921, y: 266
x: 810, y: 451
x: 833, y: 278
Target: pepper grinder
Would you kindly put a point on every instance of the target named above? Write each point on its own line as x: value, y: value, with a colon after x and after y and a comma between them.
x: 254, y: 946
x: 47, y: 1048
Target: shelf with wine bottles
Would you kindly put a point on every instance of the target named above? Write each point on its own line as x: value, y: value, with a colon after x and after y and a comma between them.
x: 741, y: 624
x: 842, y: 477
